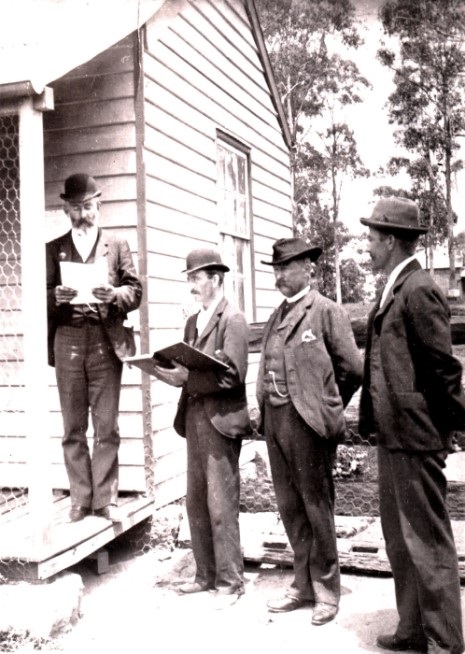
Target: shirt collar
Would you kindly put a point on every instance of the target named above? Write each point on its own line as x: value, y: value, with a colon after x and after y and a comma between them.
x: 298, y: 296
x: 394, y: 275
x: 90, y: 234
x: 205, y: 314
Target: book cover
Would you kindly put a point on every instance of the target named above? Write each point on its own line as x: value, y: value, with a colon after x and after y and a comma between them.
x: 182, y: 353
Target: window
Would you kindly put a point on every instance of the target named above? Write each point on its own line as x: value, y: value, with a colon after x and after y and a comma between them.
x: 234, y: 220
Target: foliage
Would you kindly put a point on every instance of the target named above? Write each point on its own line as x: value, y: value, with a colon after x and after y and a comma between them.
x: 295, y: 32
x: 316, y: 85
x: 350, y: 461
x: 428, y: 103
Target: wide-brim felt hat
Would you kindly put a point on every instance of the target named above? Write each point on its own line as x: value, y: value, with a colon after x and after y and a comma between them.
x: 80, y: 188
x: 287, y: 249
x: 397, y: 215
x: 204, y: 259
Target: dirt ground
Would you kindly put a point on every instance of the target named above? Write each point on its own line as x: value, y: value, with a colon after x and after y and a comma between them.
x: 135, y: 608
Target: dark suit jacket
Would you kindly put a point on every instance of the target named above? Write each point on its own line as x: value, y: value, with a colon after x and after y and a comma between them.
x: 322, y: 362
x: 425, y: 402
x: 121, y: 275
x: 225, y: 338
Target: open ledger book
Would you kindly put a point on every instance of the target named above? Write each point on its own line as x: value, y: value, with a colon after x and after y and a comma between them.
x: 182, y: 353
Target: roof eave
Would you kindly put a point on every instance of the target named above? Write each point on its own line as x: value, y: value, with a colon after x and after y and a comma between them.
x: 260, y: 41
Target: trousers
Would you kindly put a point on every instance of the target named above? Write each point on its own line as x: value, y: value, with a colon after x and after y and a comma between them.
x: 89, y: 379
x: 420, y: 548
x: 212, y: 502
x: 301, y: 468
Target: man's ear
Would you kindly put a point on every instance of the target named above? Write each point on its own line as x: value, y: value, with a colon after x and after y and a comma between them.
x: 391, y: 239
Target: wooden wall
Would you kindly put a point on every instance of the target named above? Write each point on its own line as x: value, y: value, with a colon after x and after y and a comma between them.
x: 93, y: 130
x: 144, y: 123
x: 202, y: 72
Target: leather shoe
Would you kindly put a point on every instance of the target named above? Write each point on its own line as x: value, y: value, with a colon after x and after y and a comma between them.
x: 287, y: 603
x: 323, y: 613
x: 396, y: 644
x: 78, y: 513
x: 109, y: 512
x: 193, y: 587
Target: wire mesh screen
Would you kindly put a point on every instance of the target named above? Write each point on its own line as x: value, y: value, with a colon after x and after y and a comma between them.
x: 354, y: 474
x: 12, y: 459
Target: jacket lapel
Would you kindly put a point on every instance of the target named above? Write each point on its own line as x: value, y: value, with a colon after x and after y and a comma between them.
x: 65, y: 252
x: 297, y: 314
x: 102, y: 245
x: 404, y: 273
x: 211, y: 324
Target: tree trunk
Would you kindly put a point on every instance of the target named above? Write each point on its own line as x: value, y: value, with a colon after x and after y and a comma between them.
x: 337, y: 265
x: 450, y: 216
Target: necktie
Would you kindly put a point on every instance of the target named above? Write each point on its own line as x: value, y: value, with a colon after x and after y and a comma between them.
x: 285, y: 308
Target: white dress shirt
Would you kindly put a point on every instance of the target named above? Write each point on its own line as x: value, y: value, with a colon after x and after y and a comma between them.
x: 204, y: 315
x: 84, y: 241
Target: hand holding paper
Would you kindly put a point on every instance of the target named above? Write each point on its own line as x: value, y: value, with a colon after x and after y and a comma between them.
x: 83, y: 278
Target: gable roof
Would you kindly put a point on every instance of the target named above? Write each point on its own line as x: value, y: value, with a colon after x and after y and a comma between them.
x: 59, y: 35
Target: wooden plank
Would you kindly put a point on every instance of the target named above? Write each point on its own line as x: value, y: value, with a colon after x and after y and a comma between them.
x: 205, y: 106
x: 170, y: 490
x: 178, y: 174
x: 94, y: 87
x: 89, y: 139
x: 161, y: 145
x: 131, y: 478
x: 161, y: 120
x: 179, y: 108
x: 71, y: 542
x: 118, y: 187
x: 176, y: 244
x: 229, y: 33
x: 117, y: 111
x: 166, y: 440
x: 106, y: 162
x: 15, y: 450
x: 210, y: 63
x: 169, y: 465
x: 184, y: 201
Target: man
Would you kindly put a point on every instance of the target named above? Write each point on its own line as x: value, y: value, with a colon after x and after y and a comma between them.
x: 213, y: 417
x: 412, y: 400
x: 86, y: 344
x: 309, y: 369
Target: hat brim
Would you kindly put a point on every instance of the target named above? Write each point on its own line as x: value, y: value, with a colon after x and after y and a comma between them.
x: 208, y: 266
x: 393, y: 227
x: 312, y: 253
x: 69, y: 198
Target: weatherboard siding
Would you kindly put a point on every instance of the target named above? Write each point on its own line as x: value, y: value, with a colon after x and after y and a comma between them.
x: 202, y: 73
x: 93, y: 129
x: 151, y: 143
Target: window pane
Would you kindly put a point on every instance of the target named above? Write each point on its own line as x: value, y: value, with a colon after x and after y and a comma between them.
x: 234, y: 223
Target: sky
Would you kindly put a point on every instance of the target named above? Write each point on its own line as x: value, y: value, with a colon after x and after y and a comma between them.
x: 373, y: 133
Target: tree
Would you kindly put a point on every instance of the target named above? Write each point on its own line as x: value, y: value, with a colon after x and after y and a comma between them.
x: 428, y: 103
x: 295, y: 33
x: 426, y: 190
x: 315, y: 87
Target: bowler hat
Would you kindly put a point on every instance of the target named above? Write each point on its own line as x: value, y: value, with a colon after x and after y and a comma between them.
x: 80, y: 188
x: 287, y: 249
x: 396, y: 215
x: 204, y: 259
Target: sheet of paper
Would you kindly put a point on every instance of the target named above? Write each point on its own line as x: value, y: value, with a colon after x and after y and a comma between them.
x: 83, y: 277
